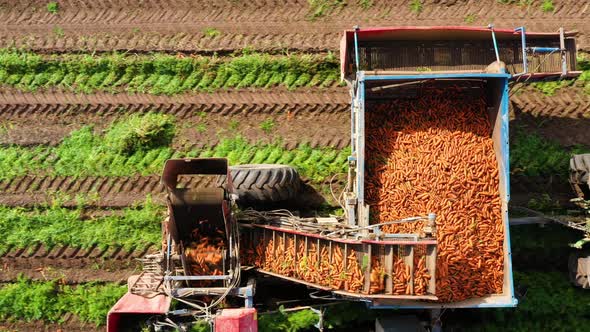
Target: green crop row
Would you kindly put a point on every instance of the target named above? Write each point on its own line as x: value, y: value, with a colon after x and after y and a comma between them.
x: 139, y: 144
x: 533, y: 155
x: 583, y: 81
x: 50, y: 301
x: 548, y: 302
x: 54, y: 225
x: 162, y: 73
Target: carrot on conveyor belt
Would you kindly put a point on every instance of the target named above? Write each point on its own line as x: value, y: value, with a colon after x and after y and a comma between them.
x: 436, y: 154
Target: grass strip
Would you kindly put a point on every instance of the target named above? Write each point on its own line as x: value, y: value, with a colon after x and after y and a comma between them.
x: 583, y: 81
x: 54, y: 225
x: 548, y: 302
x: 163, y: 73
x: 534, y: 155
x: 49, y: 301
x: 85, y: 153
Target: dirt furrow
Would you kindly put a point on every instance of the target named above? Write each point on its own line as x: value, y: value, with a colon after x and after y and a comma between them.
x: 72, y: 265
x: 266, y: 25
x: 206, y: 118
x: 104, y: 11
x: 563, y: 117
x: 113, y: 192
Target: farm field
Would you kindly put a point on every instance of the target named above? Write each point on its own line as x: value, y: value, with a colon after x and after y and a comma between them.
x: 253, y: 81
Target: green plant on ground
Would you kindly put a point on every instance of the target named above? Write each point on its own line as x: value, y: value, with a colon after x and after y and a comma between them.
x: 49, y: 301
x: 267, y: 125
x: 366, y: 4
x: 233, y: 125
x: 549, y: 304
x: 543, y: 203
x: 533, y: 155
x: 547, y: 6
x: 288, y: 321
x: 122, y: 152
x: 416, y: 6
x: 162, y: 73
x: 550, y: 87
x: 54, y: 225
x: 140, y: 132
x: 211, y: 32
x: 470, y: 18
x: 316, y: 164
x: 58, y: 32
x: 320, y: 8
x: 52, y: 7
x: 201, y: 128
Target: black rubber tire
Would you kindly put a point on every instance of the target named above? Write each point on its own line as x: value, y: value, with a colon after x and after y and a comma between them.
x: 264, y: 184
x: 580, y: 175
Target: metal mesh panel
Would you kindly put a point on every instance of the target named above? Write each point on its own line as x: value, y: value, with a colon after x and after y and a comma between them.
x: 458, y: 55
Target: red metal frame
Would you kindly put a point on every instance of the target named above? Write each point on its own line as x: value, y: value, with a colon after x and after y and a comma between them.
x: 433, y: 33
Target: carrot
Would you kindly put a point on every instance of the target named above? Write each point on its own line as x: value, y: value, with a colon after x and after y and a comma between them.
x: 435, y: 154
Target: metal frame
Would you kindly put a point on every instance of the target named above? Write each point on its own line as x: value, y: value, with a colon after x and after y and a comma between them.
x: 357, y: 168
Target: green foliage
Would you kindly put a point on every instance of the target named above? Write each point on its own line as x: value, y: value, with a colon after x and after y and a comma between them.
x: 320, y: 8
x: 211, y: 32
x: 234, y: 125
x: 550, y: 87
x: 54, y: 225
x: 200, y: 326
x: 290, y: 322
x: 550, y: 304
x: 162, y: 73
x: 267, y: 125
x: 52, y: 7
x: 533, y: 155
x: 140, y: 133
x: 316, y: 164
x: 49, y: 301
x: 547, y: 6
x: 58, y: 32
x: 470, y: 18
x: 366, y: 4
x: 416, y: 6
x: 543, y: 203
x: 85, y: 153
x: 201, y: 128
x: 136, y: 144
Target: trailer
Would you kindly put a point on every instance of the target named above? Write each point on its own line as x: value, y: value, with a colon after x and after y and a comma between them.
x: 373, y: 254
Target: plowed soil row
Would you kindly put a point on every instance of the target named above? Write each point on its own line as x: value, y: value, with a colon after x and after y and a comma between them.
x: 114, y: 192
x: 563, y: 117
x: 178, y: 25
x: 70, y: 324
x: 72, y: 265
x: 321, y: 115
x: 206, y: 118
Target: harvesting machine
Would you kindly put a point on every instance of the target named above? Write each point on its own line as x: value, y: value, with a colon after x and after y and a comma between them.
x: 208, y: 244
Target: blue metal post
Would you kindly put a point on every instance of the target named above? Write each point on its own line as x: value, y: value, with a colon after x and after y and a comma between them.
x: 356, y: 48
x: 525, y: 68
x: 491, y: 27
x: 544, y: 49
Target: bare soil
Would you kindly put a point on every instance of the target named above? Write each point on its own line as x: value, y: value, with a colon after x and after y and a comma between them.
x: 268, y: 25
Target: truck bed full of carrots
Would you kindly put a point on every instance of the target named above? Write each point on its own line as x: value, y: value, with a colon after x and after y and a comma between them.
x: 435, y: 154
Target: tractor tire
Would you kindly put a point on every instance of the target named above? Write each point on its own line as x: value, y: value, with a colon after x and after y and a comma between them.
x: 260, y: 185
x: 580, y: 175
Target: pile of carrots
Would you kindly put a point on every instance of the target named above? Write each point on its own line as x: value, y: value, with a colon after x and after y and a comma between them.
x: 435, y: 154
x: 204, y: 256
